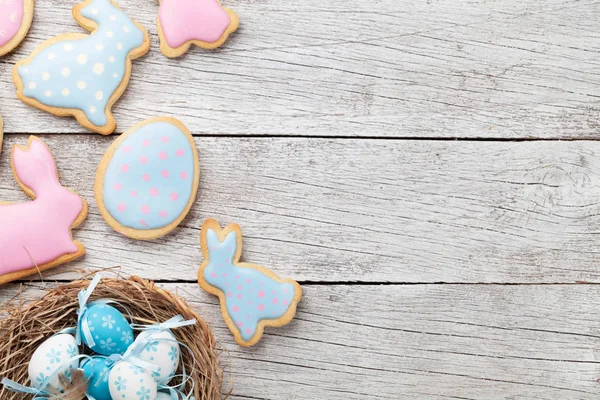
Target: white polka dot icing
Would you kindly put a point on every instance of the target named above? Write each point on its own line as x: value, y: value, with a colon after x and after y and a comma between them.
x: 251, y: 296
x: 78, y: 66
x: 148, y: 179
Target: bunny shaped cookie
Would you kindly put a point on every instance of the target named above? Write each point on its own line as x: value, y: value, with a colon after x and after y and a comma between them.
x: 15, y: 20
x: 84, y: 75
x: 252, y: 296
x: 204, y: 23
x: 36, y: 235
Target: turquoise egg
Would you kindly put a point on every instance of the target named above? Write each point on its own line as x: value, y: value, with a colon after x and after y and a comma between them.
x: 97, y: 370
x: 110, y: 330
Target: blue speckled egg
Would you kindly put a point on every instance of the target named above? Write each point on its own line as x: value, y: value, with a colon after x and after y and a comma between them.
x: 97, y: 370
x: 110, y: 330
x: 148, y: 179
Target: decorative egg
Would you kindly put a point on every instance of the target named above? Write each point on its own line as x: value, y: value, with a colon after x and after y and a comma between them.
x: 51, y: 359
x: 147, y: 180
x: 162, y: 350
x: 110, y: 330
x: 163, y: 396
x: 96, y: 370
x: 129, y: 382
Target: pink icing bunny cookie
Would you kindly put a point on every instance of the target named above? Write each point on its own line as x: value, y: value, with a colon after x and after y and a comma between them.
x: 204, y: 23
x: 36, y: 235
x: 15, y: 20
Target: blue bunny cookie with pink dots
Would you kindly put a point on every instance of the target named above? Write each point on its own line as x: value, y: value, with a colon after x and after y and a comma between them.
x: 83, y: 75
x: 251, y: 296
x: 148, y: 178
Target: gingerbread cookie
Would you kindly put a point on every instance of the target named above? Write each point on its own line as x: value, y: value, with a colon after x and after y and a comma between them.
x: 251, y: 296
x: 15, y: 21
x: 84, y: 75
x: 148, y: 178
x: 204, y: 23
x: 36, y: 235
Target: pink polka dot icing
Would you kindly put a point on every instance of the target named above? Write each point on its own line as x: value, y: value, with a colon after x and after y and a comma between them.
x: 149, y: 175
x: 247, y: 291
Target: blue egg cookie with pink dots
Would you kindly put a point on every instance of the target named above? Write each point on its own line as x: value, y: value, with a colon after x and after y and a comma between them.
x: 148, y: 179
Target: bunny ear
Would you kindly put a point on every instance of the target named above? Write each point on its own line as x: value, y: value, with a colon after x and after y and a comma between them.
x: 34, y: 166
x: 224, y: 250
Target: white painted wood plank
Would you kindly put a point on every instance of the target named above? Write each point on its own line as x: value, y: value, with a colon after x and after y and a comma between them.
x: 352, y: 68
x: 367, y: 210
x: 418, y: 341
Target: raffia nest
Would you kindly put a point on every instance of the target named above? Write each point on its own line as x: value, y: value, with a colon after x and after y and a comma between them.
x: 26, y: 325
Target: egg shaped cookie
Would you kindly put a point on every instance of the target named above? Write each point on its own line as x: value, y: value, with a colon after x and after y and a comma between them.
x: 148, y: 178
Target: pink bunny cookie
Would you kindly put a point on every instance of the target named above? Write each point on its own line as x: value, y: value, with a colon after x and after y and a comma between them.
x: 252, y: 296
x: 204, y: 23
x: 15, y: 20
x: 36, y: 235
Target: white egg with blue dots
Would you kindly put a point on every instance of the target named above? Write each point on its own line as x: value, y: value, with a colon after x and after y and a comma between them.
x: 163, y: 351
x: 52, y: 358
x: 129, y: 382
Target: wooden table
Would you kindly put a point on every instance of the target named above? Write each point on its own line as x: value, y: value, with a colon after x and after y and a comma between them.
x: 401, y: 160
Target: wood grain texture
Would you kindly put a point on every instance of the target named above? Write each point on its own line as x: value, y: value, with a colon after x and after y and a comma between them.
x: 445, y: 68
x: 366, y: 210
x: 354, y: 216
x: 417, y: 341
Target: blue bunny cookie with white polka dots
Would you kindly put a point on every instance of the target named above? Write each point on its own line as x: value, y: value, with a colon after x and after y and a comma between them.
x: 83, y: 75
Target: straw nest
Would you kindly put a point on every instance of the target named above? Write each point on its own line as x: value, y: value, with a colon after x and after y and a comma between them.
x: 26, y: 325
